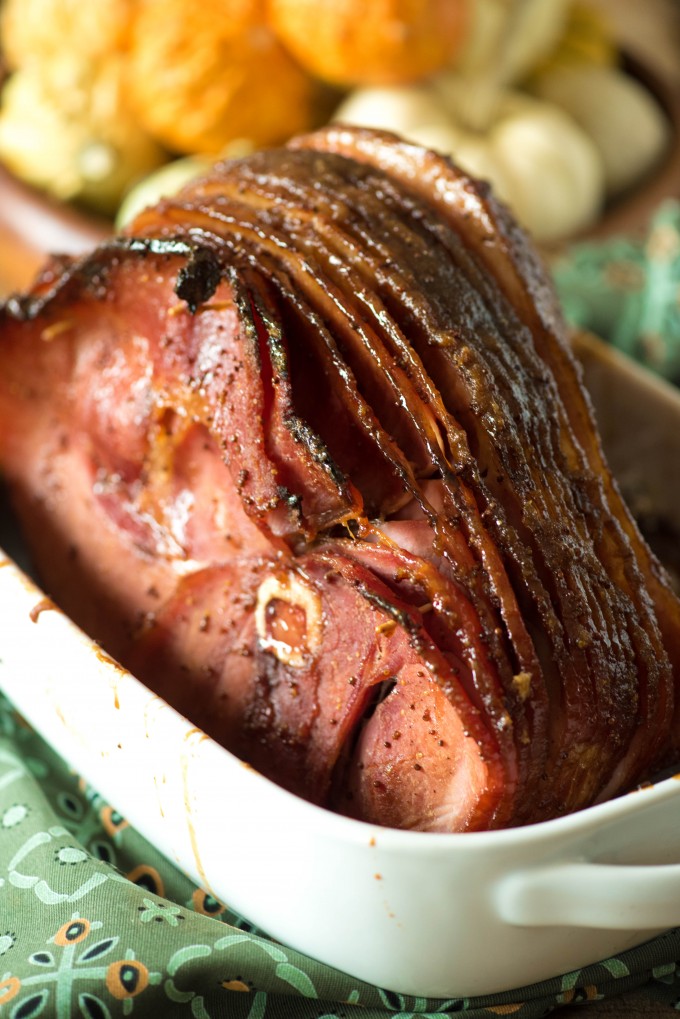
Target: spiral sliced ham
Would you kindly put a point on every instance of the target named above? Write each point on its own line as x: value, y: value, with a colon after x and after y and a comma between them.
x: 307, y: 450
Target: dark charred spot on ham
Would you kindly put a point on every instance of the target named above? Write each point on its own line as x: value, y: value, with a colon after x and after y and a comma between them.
x: 198, y: 280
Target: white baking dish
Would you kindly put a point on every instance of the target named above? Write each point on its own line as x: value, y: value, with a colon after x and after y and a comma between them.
x: 424, y: 914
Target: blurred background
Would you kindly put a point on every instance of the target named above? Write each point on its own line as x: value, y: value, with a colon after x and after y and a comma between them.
x: 570, y: 108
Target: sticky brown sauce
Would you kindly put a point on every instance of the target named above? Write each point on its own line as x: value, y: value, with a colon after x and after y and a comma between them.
x: 44, y: 605
x: 106, y: 659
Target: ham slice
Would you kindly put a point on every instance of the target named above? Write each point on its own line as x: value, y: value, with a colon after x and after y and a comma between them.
x: 260, y: 655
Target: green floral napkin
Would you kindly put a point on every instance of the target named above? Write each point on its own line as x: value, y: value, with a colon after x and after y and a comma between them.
x: 95, y: 922
x: 627, y: 291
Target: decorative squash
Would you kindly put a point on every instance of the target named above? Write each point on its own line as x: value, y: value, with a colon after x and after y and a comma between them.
x: 348, y: 42
x: 202, y: 75
x: 626, y: 124
x: 36, y: 31
x: 66, y: 127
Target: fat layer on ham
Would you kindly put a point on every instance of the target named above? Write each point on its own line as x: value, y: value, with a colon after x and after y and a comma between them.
x: 306, y: 449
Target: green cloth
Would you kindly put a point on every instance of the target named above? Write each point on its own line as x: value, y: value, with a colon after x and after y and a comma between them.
x: 627, y: 291
x: 95, y: 922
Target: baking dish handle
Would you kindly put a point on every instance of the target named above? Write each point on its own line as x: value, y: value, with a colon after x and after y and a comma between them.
x: 596, y: 895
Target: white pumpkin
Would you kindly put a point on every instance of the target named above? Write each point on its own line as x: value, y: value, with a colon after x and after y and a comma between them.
x: 400, y: 108
x: 625, y: 122
x: 507, y: 39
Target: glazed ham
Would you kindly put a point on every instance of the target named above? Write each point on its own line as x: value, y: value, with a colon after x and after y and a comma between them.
x: 307, y: 450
